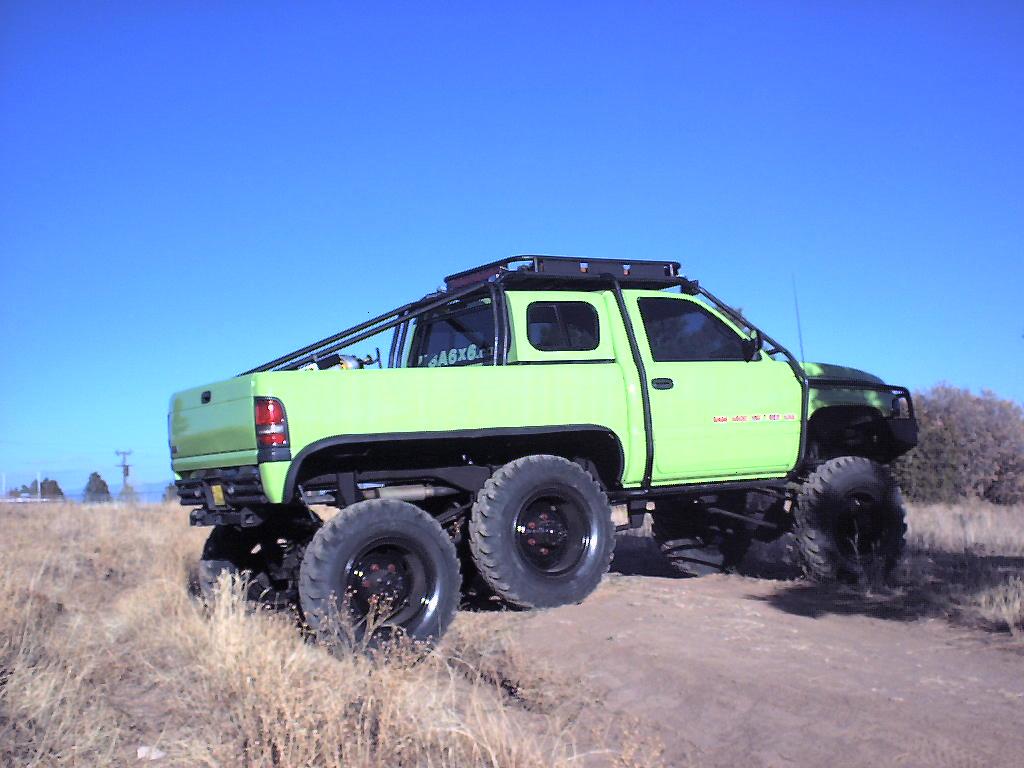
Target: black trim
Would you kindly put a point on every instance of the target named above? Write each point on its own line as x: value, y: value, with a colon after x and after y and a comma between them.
x: 645, y: 396
x: 245, y: 517
x: 560, y: 362
x: 835, y: 383
x: 569, y: 268
x: 504, y: 333
x: 291, y: 478
x: 493, y: 289
x: 273, y: 453
x: 627, y: 494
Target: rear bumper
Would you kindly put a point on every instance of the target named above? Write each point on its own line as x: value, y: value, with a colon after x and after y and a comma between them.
x: 239, y: 487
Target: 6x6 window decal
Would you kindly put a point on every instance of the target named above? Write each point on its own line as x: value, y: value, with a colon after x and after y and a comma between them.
x: 468, y: 354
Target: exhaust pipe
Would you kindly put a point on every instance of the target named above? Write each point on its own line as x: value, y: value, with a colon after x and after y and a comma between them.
x: 408, y: 492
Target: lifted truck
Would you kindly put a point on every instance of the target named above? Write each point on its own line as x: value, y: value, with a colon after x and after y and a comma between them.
x: 518, y: 406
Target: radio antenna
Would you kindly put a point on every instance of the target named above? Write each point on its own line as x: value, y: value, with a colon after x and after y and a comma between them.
x: 799, y: 329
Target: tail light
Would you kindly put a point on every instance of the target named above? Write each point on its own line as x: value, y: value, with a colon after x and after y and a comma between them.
x: 271, y: 424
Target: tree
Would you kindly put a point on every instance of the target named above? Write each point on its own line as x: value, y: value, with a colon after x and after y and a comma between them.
x: 969, y: 446
x: 96, y: 489
x: 50, y: 490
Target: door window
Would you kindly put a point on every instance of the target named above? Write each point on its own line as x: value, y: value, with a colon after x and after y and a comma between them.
x: 679, y: 330
x: 562, y: 326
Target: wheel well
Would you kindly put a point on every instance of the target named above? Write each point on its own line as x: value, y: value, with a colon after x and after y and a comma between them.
x: 849, y: 430
x: 598, y: 448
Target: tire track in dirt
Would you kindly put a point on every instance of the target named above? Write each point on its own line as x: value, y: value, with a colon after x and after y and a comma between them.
x: 730, y: 670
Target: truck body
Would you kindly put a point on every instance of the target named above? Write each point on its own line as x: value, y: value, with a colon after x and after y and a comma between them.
x: 659, y: 393
x: 720, y: 421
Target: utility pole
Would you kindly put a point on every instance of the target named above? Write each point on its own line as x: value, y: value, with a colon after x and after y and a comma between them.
x: 127, y: 494
x: 124, y: 465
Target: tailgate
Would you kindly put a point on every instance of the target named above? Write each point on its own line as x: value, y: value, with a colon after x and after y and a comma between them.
x: 215, y: 418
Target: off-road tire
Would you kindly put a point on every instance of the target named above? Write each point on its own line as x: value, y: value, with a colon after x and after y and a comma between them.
x: 229, y: 548
x: 535, y: 486
x: 269, y: 573
x: 683, y: 546
x: 330, y: 576
x: 850, y: 521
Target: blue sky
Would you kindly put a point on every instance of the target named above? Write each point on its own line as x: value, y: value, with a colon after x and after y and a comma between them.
x: 188, y: 189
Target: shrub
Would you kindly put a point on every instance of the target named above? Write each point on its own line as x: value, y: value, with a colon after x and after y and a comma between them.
x: 970, y: 446
x: 96, y: 489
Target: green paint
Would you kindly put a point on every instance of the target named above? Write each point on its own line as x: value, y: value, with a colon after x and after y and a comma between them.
x: 721, y: 420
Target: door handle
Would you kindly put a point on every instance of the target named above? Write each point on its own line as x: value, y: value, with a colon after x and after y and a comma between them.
x: 662, y: 383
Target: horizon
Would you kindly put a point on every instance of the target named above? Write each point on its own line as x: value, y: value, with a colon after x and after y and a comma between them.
x: 192, y: 190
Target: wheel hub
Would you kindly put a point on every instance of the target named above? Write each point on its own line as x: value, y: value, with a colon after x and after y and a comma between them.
x: 547, y: 536
x: 379, y: 578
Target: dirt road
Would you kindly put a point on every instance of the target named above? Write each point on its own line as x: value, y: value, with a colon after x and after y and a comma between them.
x: 736, y: 671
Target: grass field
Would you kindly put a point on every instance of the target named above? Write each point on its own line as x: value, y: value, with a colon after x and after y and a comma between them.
x: 102, y: 650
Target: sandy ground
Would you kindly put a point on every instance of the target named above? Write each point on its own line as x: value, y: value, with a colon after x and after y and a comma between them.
x: 738, y: 671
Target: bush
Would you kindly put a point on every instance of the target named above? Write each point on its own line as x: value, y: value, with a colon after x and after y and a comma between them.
x: 970, y: 446
x: 96, y: 489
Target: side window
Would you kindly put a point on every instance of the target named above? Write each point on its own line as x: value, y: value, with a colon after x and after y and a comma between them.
x: 562, y: 326
x: 464, y: 336
x: 684, y: 331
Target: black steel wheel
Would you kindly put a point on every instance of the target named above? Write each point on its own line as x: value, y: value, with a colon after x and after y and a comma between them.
x: 551, y: 531
x: 850, y: 521
x: 383, y: 567
x: 541, y: 532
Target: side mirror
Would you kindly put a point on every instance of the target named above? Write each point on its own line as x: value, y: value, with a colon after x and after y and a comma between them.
x: 752, y: 346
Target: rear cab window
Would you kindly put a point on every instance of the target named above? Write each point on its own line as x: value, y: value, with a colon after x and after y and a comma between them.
x: 455, y: 336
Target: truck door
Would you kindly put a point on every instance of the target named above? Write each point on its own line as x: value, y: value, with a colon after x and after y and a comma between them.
x: 715, y: 416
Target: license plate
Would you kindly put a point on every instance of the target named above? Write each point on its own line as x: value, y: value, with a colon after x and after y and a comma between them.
x: 218, y: 495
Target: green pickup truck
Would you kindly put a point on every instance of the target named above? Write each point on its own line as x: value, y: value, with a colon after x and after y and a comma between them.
x: 521, y: 416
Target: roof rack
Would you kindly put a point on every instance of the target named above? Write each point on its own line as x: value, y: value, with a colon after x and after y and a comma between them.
x: 626, y: 271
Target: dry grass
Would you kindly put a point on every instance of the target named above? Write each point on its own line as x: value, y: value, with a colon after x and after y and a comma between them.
x: 967, y: 560
x: 102, y: 650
